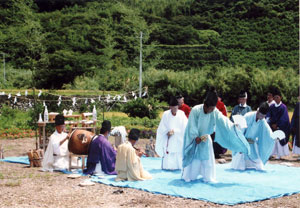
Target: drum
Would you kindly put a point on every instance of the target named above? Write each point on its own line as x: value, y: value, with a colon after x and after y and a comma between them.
x: 79, y: 141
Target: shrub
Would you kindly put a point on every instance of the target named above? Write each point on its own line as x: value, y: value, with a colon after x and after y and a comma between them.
x: 142, y: 108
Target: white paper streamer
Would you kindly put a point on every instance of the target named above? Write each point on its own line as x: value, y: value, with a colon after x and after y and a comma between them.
x: 40, y: 93
x: 74, y: 101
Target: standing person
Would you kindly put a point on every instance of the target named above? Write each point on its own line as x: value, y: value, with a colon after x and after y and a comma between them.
x: 101, y: 156
x: 182, y: 106
x: 198, y: 155
x: 279, y: 119
x: 169, y: 136
x: 56, y: 156
x: 128, y: 163
x: 242, y: 108
x: 295, y: 128
x: 259, y: 136
x: 270, y: 98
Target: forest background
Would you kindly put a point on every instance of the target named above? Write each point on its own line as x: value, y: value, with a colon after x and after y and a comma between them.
x: 188, y: 45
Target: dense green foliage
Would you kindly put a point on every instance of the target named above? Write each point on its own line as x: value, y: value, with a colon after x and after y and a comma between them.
x: 187, y: 45
x: 228, y: 82
x: 142, y: 108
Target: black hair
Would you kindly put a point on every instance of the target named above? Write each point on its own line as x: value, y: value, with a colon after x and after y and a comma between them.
x: 211, y: 99
x: 263, y: 108
x: 106, y: 126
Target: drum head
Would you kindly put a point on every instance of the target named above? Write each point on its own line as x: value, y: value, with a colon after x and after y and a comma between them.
x: 79, y: 141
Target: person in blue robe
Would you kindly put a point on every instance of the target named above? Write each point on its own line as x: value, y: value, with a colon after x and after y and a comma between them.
x: 198, y: 154
x: 259, y: 136
x: 278, y: 119
x: 242, y: 108
x: 101, y: 156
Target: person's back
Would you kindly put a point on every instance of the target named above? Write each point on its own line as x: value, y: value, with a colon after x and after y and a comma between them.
x: 101, y: 156
x: 128, y: 164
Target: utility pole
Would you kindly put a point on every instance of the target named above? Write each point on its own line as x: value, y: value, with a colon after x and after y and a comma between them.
x: 141, y: 45
x: 4, y: 67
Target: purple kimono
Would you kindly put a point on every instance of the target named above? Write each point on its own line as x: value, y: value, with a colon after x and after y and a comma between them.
x: 295, y: 125
x: 101, y: 150
x: 279, y: 116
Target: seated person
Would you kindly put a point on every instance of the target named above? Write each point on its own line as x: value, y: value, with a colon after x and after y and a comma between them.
x: 128, y: 164
x: 101, y: 155
x: 56, y: 156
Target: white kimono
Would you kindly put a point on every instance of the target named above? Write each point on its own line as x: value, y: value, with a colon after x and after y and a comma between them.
x: 170, y: 149
x: 56, y: 156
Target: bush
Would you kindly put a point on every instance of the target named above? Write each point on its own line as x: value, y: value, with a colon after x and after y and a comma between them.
x: 142, y: 108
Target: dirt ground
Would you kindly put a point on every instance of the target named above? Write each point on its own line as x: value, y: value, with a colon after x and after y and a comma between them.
x: 22, y: 186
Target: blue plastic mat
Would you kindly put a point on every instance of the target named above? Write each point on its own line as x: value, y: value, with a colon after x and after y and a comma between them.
x: 233, y: 187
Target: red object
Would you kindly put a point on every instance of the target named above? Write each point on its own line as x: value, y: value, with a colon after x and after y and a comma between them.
x: 221, y: 107
x: 186, y: 109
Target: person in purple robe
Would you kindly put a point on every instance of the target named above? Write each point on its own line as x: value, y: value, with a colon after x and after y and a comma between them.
x: 295, y: 131
x: 279, y: 120
x: 101, y: 156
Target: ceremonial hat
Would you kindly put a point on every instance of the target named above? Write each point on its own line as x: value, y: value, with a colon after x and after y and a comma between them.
x: 211, y: 98
x: 243, y: 94
x: 179, y: 96
x: 263, y: 108
x: 106, y: 126
x: 173, y: 101
x: 276, y: 92
x: 134, y: 134
x: 59, y: 120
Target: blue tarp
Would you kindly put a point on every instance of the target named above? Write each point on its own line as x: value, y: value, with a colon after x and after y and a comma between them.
x: 233, y: 187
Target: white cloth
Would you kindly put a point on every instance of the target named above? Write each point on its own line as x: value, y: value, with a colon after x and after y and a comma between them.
x: 61, y: 159
x: 206, y: 168
x: 98, y: 169
x: 239, y: 162
x: 272, y: 102
x: 170, y: 149
x: 280, y: 151
x: 296, y: 150
x: 120, y: 130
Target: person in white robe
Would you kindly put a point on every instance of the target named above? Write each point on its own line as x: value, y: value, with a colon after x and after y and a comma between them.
x: 169, y: 136
x: 198, y: 154
x: 259, y: 135
x: 56, y: 156
x: 128, y: 163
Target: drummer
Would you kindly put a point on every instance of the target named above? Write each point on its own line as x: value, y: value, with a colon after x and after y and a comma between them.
x: 101, y: 155
x: 56, y: 156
